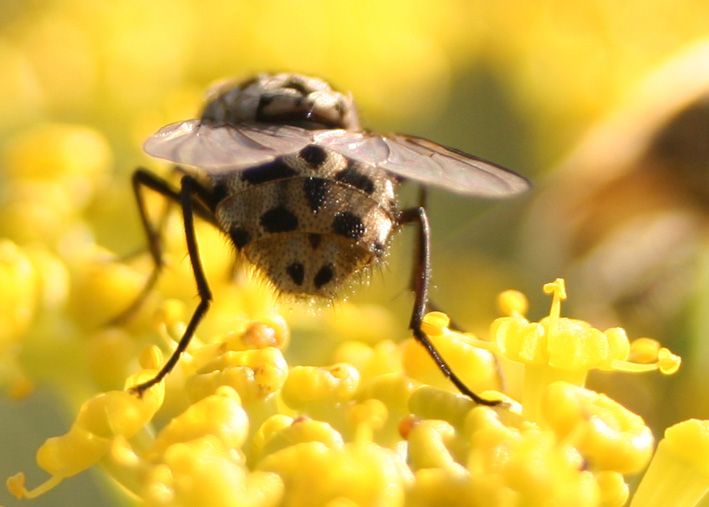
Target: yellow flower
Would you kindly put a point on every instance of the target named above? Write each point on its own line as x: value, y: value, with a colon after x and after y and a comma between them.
x: 361, y: 473
x: 18, y: 296
x: 466, y: 355
x: 609, y: 436
x: 559, y: 348
x: 492, y: 456
x: 100, y: 420
x: 203, y: 472
x: 507, y: 462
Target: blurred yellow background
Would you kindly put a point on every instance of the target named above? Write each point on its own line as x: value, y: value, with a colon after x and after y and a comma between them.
x: 566, y: 93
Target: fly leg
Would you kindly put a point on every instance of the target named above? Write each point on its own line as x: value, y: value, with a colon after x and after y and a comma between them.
x: 145, y: 179
x: 420, y: 283
x: 431, y: 306
x: 188, y: 199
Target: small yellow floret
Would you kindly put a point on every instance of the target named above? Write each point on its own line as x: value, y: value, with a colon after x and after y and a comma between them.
x: 430, y: 442
x: 116, y: 413
x: 72, y: 452
x: 562, y: 349
x: 562, y: 343
x: 300, y: 430
x: 266, y: 332
x: 255, y: 374
x: 18, y: 292
x: 609, y: 436
x: 364, y: 473
x: 100, y: 420
x: 432, y: 403
x: 308, y: 384
x: 219, y: 415
x: 270, y: 427
x: 517, y: 462
x: 512, y: 303
x: 465, y: 354
x: 204, y: 472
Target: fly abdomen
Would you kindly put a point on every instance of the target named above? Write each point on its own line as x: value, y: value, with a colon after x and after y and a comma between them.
x: 308, y: 235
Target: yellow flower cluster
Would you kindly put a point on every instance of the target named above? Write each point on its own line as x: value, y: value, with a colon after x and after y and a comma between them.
x: 236, y: 424
x: 240, y: 421
x: 557, y: 348
x: 250, y: 430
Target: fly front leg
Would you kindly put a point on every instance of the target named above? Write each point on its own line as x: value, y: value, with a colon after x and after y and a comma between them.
x: 420, y: 284
x: 189, y: 191
x: 143, y: 179
x: 430, y: 305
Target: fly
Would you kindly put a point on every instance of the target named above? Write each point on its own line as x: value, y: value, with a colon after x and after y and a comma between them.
x: 280, y: 164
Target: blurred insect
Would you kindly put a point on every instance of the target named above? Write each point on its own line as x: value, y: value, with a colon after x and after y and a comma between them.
x: 280, y: 164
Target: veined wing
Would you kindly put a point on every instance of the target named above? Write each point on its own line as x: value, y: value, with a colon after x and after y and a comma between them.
x: 427, y: 162
x: 225, y: 147
x: 228, y: 147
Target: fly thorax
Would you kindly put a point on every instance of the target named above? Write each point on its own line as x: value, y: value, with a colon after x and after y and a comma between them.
x: 310, y: 220
x: 290, y: 99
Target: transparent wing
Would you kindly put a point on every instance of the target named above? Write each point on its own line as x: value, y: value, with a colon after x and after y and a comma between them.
x: 226, y: 147
x: 424, y: 161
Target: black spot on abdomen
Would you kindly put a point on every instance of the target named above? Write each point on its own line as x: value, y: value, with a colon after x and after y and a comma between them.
x: 219, y: 193
x: 296, y: 271
x: 355, y: 178
x: 315, y: 240
x: 348, y: 225
x: 279, y: 219
x: 240, y: 237
x: 315, y: 192
x: 314, y: 155
x: 324, y: 275
x: 276, y: 170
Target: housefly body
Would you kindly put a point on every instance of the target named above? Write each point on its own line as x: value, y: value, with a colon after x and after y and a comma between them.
x: 280, y: 165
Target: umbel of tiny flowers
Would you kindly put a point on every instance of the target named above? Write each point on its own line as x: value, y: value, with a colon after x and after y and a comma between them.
x: 257, y: 433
